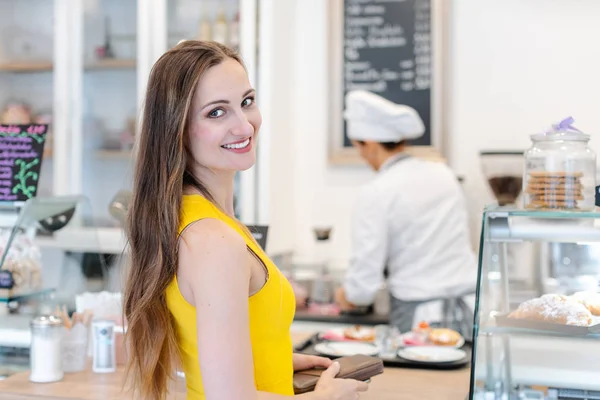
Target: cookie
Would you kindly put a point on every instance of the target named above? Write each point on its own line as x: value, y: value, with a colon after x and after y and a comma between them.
x: 550, y: 206
x: 553, y: 181
x: 554, y: 188
x: 556, y: 197
x: 553, y: 202
x: 555, y: 174
x: 554, y: 184
x: 551, y: 209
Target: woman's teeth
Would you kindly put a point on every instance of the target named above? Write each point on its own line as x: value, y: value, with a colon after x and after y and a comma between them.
x: 237, y: 145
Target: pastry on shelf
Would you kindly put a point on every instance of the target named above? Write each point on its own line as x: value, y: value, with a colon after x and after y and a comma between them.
x: 444, y: 337
x: 360, y: 333
x: 554, y: 308
x: 16, y: 112
x: 590, y: 300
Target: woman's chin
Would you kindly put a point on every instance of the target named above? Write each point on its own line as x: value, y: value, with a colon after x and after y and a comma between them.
x: 246, y: 163
x: 242, y: 166
x: 245, y: 168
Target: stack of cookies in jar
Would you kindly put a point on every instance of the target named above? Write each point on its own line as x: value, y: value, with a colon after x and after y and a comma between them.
x: 548, y: 190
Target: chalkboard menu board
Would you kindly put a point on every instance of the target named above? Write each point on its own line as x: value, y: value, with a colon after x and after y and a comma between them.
x: 387, y: 51
x: 21, y: 151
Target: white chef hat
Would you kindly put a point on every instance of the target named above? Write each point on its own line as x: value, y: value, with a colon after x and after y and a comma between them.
x: 374, y: 118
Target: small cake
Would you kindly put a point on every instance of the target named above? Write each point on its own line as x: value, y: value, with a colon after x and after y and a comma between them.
x: 421, y: 331
x: 423, y: 327
x: 590, y: 300
x: 444, y: 337
x: 554, y: 308
x: 359, y: 333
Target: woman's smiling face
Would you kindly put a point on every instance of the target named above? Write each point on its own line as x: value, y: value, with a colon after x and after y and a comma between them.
x: 224, y: 119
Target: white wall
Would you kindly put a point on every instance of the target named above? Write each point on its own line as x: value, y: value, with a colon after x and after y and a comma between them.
x: 515, y: 67
x: 276, y: 67
x: 518, y: 66
x: 310, y: 192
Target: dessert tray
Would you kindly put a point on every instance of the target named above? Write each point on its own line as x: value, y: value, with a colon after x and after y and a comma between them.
x: 407, y: 351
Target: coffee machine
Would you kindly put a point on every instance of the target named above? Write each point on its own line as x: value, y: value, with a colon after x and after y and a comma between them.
x: 503, y: 171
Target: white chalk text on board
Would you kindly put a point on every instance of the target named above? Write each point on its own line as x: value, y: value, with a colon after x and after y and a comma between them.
x: 387, y: 50
x: 21, y: 150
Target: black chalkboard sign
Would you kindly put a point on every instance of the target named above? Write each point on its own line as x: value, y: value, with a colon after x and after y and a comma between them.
x: 387, y: 51
x: 21, y: 151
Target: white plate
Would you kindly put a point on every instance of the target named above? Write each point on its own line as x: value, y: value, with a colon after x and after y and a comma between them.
x: 400, y: 342
x: 341, y: 349
x: 432, y: 354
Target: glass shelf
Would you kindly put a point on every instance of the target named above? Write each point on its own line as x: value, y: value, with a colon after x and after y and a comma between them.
x: 513, y: 331
x: 503, y: 211
x: 509, y: 224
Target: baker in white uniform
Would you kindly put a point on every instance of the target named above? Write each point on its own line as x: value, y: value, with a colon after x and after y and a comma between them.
x: 410, y: 223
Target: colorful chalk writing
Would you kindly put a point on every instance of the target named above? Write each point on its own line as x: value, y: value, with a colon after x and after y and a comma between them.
x: 21, y: 151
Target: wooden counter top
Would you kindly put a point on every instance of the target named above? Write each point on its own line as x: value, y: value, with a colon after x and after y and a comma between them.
x: 394, y: 384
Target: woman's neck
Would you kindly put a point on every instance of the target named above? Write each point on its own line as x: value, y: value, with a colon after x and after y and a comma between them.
x: 220, y: 185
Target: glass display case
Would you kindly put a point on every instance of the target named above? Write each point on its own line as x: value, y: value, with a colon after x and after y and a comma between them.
x: 537, y: 333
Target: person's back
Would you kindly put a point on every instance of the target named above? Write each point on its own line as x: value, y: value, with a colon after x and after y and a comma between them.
x: 429, y: 253
x: 410, y: 221
x: 270, y: 311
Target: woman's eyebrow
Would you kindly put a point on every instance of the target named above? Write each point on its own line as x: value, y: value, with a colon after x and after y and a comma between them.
x: 225, y: 101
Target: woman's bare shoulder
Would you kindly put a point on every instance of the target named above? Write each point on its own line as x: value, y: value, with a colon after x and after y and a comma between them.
x: 211, y: 241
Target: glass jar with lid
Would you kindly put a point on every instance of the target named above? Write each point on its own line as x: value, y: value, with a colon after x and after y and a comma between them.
x: 560, y: 170
x: 46, y: 349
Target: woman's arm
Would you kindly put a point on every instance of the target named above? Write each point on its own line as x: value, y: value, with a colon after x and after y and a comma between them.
x: 214, y: 276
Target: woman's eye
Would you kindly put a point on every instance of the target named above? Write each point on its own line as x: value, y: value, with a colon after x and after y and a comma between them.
x: 216, y: 113
x: 248, y: 102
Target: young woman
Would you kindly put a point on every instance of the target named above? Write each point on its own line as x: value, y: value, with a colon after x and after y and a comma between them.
x: 200, y: 291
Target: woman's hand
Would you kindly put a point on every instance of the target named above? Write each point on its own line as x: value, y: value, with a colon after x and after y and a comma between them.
x: 303, y: 361
x: 331, y: 388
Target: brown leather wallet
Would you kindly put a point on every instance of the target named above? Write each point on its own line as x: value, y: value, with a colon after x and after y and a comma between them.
x: 359, y: 367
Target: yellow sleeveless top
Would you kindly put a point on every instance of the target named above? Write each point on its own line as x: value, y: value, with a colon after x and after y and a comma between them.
x: 271, y: 314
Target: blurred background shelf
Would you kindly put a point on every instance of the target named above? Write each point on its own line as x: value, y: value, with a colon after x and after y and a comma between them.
x: 111, y: 63
x: 46, y: 66
x: 113, y: 154
x: 101, y: 154
x: 26, y: 66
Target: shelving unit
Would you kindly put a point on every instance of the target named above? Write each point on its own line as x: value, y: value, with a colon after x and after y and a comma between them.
x: 113, y: 154
x: 103, y: 154
x: 26, y: 66
x: 47, y: 66
x: 95, y: 99
x: 111, y: 63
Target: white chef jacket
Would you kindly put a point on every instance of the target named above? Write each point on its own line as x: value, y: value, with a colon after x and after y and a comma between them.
x: 411, y: 218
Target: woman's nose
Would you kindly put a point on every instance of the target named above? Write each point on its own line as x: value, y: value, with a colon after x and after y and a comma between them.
x: 242, y: 126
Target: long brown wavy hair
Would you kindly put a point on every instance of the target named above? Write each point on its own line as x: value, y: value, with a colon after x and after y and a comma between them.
x: 162, y: 171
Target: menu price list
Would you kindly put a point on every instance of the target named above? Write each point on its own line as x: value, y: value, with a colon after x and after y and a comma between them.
x: 387, y: 50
